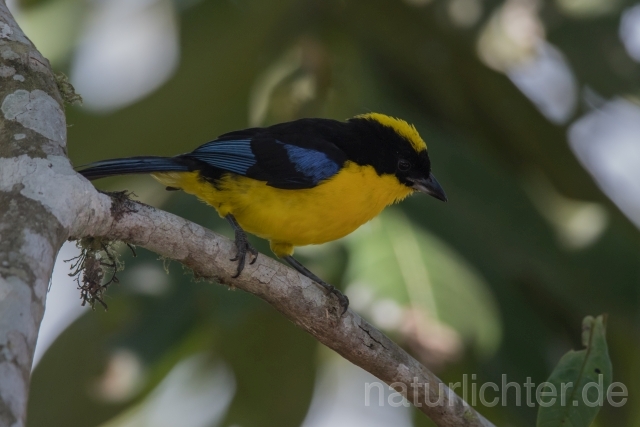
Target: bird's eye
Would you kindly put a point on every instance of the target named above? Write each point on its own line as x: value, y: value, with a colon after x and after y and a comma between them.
x: 403, y: 165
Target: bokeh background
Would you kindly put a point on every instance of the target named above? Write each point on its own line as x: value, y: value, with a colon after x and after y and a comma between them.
x: 531, y: 111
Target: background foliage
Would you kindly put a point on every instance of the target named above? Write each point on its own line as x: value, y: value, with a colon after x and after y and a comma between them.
x: 530, y: 112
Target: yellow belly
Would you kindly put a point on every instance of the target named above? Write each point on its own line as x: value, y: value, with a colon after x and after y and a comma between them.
x: 289, y: 218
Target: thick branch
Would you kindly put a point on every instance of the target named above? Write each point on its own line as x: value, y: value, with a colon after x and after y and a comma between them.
x: 32, y: 126
x: 297, y: 297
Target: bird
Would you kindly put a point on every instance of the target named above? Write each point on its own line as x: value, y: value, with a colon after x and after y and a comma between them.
x: 303, y: 182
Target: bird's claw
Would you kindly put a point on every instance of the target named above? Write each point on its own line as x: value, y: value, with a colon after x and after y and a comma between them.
x: 243, y: 246
x: 342, y: 298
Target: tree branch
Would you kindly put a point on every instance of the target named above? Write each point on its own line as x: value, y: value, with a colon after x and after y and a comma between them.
x: 32, y: 128
x: 295, y: 296
x: 43, y: 201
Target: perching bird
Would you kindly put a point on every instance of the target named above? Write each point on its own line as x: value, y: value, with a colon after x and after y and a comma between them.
x: 298, y: 183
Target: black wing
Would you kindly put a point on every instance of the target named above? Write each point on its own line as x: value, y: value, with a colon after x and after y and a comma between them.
x: 292, y: 155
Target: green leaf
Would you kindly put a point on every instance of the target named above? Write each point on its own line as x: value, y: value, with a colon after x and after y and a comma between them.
x: 580, y: 381
x: 397, y: 261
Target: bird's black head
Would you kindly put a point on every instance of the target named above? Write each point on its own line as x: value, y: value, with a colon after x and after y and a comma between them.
x: 393, y: 146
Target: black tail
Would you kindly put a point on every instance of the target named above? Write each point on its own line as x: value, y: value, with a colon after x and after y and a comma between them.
x: 131, y: 165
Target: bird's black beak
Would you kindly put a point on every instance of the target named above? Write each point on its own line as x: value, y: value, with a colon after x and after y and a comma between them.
x: 429, y: 186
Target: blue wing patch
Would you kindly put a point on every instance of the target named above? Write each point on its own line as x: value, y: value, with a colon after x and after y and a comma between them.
x: 313, y: 164
x: 280, y: 164
x: 234, y: 156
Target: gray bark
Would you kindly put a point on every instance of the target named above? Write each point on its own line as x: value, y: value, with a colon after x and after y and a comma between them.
x: 32, y: 229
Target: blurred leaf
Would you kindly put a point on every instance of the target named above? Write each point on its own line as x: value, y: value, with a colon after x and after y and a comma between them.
x: 196, y: 392
x: 294, y: 86
x: 53, y: 26
x: 596, y: 53
x: 274, y: 364
x: 580, y: 370
x: 404, y: 263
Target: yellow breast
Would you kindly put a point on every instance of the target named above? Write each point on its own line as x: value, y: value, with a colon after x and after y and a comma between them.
x: 289, y: 218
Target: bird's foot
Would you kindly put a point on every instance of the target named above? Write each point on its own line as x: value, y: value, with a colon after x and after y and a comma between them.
x: 243, y: 247
x: 342, y: 298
